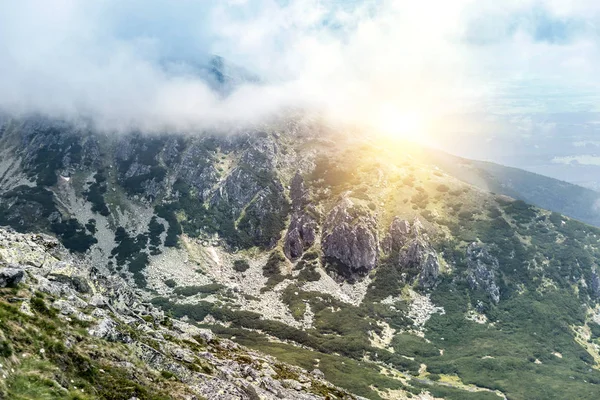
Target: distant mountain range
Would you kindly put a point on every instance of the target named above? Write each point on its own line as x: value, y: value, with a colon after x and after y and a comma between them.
x: 549, y: 193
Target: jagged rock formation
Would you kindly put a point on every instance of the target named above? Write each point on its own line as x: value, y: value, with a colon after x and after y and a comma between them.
x: 303, y: 227
x: 410, y: 248
x: 350, y: 237
x: 131, y: 349
x: 481, y: 270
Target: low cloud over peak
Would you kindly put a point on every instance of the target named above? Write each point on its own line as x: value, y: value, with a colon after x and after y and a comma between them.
x: 150, y: 64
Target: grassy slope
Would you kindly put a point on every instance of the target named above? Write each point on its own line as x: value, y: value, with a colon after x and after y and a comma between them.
x: 552, y: 194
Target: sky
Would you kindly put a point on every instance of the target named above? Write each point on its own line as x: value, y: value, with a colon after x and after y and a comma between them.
x: 483, y: 71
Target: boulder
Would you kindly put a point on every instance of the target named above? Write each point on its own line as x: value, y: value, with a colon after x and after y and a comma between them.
x: 77, y: 283
x: 11, y: 277
x: 298, y: 193
x: 107, y: 329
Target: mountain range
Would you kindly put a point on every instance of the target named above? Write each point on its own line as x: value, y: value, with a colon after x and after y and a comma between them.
x: 349, y: 264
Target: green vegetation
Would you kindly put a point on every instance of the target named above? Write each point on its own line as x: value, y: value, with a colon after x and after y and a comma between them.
x: 194, y: 290
x: 73, y: 235
x: 272, y: 269
x: 31, y: 208
x: 95, y: 193
x: 155, y: 229
x: 595, y: 329
x: 170, y: 283
x: 129, y: 251
x: 167, y: 212
x: 38, y: 364
x: 309, y: 274
x: 241, y: 265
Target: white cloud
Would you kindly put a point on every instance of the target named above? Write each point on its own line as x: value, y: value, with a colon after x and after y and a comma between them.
x: 585, y: 159
x: 106, y: 60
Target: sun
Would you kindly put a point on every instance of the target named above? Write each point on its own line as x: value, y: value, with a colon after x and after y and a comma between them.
x: 398, y: 124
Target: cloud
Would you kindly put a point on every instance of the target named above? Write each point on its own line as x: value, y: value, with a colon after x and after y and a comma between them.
x: 145, y: 64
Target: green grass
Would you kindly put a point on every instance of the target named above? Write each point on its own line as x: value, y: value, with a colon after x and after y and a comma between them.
x: 45, y: 368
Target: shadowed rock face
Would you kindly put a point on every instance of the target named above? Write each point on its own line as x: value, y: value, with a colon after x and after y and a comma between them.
x: 350, y: 237
x: 11, y: 277
x: 303, y: 227
x: 481, y: 266
x: 300, y: 236
x: 409, y: 246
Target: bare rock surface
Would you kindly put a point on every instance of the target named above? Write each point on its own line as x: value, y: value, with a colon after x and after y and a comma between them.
x: 482, y: 267
x: 350, y: 237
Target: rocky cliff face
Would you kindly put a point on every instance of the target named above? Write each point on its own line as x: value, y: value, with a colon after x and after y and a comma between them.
x: 482, y: 267
x: 303, y: 227
x: 411, y: 251
x: 350, y: 237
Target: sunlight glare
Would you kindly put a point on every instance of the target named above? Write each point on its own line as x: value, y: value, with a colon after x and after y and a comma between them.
x: 399, y: 124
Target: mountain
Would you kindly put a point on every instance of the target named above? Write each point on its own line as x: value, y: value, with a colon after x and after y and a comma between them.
x: 325, y: 248
x: 552, y: 194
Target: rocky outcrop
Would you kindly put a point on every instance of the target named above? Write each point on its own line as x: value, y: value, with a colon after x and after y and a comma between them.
x: 298, y: 193
x: 350, y: 237
x: 303, y: 227
x: 410, y: 248
x: 481, y: 270
x: 254, y: 174
x: 300, y: 236
x: 11, y: 277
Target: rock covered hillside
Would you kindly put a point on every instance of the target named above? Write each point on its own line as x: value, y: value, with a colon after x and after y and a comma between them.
x: 328, y: 250
x: 69, y: 332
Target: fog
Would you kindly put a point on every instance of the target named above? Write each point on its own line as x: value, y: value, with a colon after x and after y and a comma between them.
x: 146, y: 64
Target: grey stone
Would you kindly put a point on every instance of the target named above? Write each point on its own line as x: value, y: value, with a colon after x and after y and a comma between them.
x: 481, y: 270
x: 11, y: 277
x: 350, y: 236
x: 410, y: 246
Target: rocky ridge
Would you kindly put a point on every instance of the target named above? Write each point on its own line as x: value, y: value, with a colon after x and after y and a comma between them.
x: 308, y: 244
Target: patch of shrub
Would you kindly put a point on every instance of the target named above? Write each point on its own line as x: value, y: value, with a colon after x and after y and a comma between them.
x: 309, y: 274
x: 5, y: 349
x: 167, y: 212
x: 241, y: 265
x: 95, y: 194
x: 194, y: 290
x: 73, y: 235
x: 274, y: 263
x: 91, y: 226
x: 170, y: 283
x: 595, y: 329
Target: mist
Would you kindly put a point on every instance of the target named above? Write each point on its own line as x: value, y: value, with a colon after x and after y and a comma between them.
x: 145, y: 64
